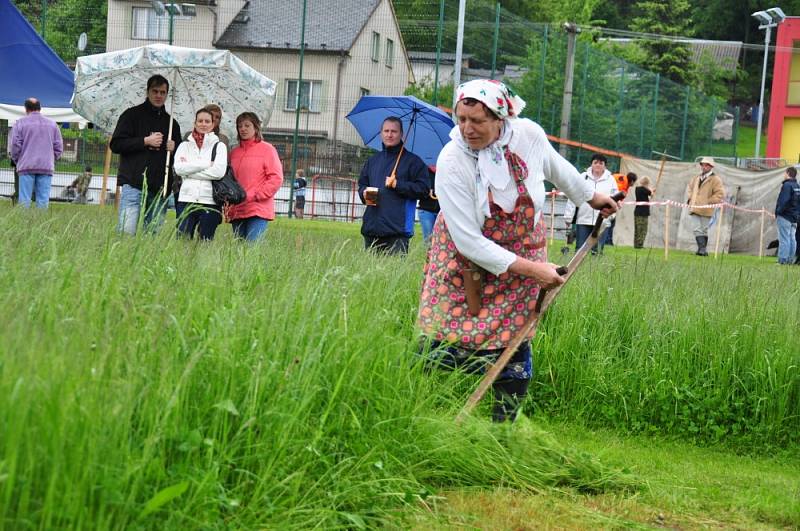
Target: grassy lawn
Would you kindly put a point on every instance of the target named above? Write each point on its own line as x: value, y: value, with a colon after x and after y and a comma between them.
x: 684, y: 487
x: 154, y: 383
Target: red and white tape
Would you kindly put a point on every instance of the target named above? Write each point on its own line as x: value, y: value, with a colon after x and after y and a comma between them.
x: 670, y: 202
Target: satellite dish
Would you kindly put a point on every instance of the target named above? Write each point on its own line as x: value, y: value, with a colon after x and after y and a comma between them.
x: 82, y: 41
x: 158, y: 7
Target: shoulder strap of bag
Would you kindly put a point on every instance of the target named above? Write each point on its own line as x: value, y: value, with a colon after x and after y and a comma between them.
x: 214, y: 151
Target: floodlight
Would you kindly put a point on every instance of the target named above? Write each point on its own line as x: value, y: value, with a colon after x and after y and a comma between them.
x: 777, y: 14
x: 189, y: 10
x: 158, y: 7
x: 762, y: 17
x: 771, y: 18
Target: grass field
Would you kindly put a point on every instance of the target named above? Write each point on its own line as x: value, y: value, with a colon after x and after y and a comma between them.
x: 161, y: 384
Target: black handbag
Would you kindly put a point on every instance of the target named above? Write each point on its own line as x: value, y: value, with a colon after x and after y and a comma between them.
x: 226, y: 191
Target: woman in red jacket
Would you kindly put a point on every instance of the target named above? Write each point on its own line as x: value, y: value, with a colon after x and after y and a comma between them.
x: 258, y: 169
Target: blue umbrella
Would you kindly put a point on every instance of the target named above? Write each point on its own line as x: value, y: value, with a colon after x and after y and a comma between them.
x: 426, y: 128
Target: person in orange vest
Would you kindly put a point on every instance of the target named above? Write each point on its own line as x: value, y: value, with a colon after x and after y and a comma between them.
x: 624, y: 182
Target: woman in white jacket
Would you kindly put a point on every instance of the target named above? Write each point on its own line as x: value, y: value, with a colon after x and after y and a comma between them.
x: 601, y: 181
x: 193, y: 162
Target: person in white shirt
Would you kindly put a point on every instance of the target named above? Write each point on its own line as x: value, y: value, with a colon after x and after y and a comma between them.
x: 600, y: 180
x: 193, y: 162
x: 487, y: 259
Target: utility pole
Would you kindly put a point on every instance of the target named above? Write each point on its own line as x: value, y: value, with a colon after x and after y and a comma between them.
x: 569, y: 71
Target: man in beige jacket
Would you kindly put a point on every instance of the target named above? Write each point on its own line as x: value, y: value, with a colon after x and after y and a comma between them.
x: 704, y: 189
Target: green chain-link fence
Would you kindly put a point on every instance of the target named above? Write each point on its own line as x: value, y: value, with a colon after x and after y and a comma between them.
x: 616, y: 105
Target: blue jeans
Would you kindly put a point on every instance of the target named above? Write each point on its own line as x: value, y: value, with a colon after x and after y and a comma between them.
x: 130, y: 205
x: 582, y: 233
x: 38, y: 181
x: 787, y: 245
x: 427, y: 220
x: 250, y: 229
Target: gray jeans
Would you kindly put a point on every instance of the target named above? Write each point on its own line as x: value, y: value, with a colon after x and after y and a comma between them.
x: 700, y: 224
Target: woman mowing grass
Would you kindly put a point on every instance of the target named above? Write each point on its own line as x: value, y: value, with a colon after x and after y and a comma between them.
x: 488, y: 255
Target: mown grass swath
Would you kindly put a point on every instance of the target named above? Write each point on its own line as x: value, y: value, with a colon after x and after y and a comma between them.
x: 155, y: 382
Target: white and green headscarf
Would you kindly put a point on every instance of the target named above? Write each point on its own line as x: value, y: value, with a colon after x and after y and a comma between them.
x: 492, y: 165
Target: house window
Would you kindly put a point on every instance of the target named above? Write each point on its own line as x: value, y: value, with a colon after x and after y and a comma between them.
x: 389, y: 53
x: 376, y: 46
x: 310, y: 95
x: 148, y: 25
x: 793, y: 96
x: 363, y: 92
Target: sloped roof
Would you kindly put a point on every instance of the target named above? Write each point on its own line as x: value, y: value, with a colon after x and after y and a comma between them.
x: 724, y: 54
x: 330, y: 26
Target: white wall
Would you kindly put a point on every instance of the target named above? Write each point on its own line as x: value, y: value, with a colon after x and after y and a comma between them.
x: 192, y: 32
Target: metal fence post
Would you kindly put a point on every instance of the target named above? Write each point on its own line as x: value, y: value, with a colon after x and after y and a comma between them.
x: 735, y: 134
x: 710, y: 142
x: 539, y: 104
x: 655, y: 113
x: 685, y: 122
x: 438, y: 53
x: 621, y: 105
x: 297, y: 110
x: 641, y: 130
x: 496, y: 36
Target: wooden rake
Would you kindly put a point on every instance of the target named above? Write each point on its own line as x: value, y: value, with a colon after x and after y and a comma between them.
x: 544, y: 300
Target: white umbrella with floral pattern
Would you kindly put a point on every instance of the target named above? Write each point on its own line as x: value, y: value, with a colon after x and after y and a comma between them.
x: 108, y: 83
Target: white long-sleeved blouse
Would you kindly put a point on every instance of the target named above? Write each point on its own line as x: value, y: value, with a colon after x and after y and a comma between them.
x: 464, y: 200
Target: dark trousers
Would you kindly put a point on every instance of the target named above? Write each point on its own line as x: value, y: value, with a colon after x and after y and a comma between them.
x: 609, y: 234
x: 386, y: 244
x: 178, y: 206
x: 797, y: 254
x: 509, y: 389
x: 201, y: 218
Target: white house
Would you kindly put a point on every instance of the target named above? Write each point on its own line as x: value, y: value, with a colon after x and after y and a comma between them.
x: 353, y: 47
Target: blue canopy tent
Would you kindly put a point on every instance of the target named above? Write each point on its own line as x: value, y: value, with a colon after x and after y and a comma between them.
x: 30, y: 68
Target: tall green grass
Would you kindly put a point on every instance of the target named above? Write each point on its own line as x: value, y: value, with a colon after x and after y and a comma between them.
x: 705, y: 349
x: 155, y: 383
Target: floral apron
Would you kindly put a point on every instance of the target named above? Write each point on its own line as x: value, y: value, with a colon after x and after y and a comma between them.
x: 506, y: 299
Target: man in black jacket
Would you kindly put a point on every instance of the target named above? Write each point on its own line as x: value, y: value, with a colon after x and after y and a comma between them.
x: 390, y: 184
x: 787, y: 214
x: 141, y: 140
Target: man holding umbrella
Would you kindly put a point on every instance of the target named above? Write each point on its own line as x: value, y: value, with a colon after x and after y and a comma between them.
x: 390, y: 184
x: 141, y: 138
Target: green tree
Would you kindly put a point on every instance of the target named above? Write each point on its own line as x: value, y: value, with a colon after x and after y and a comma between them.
x: 64, y: 22
x: 671, y: 18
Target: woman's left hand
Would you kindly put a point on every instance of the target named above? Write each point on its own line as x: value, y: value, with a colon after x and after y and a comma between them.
x: 604, y: 204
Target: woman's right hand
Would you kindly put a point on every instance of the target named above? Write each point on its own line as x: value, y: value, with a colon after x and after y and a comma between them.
x: 543, y: 273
